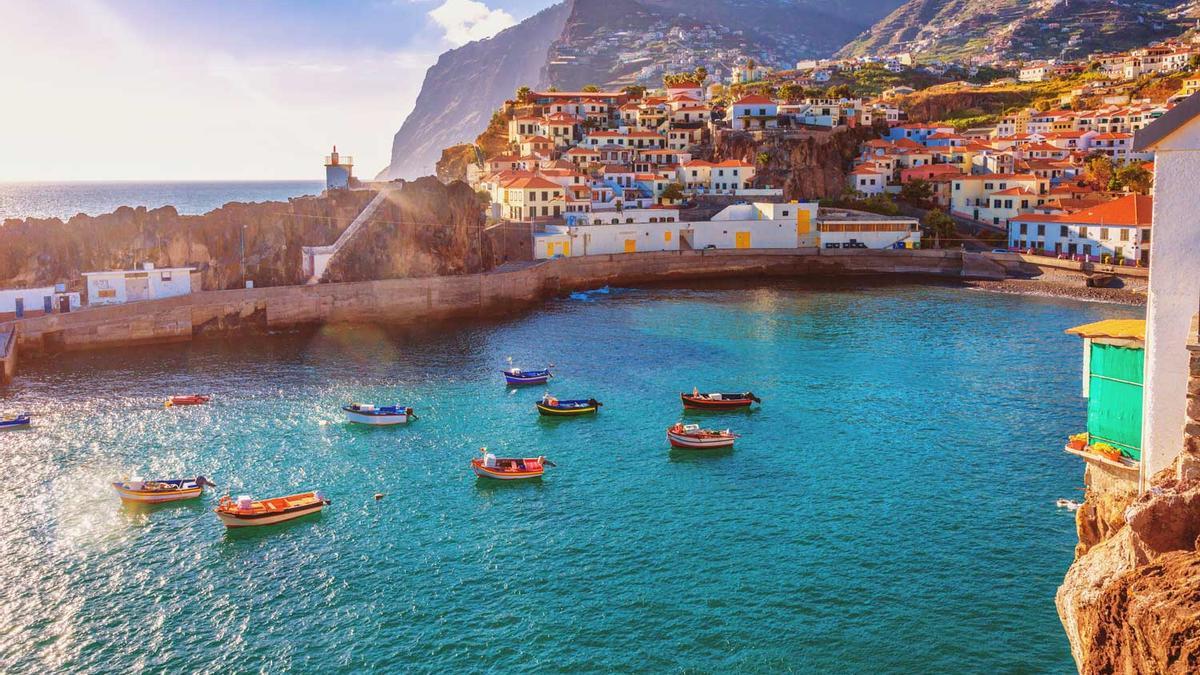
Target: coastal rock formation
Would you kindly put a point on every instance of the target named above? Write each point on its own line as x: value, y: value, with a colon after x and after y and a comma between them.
x: 1131, y: 601
x: 426, y: 228
x: 267, y: 236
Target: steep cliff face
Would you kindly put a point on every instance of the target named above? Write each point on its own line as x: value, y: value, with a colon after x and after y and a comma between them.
x: 466, y: 84
x: 807, y: 165
x: 43, y: 252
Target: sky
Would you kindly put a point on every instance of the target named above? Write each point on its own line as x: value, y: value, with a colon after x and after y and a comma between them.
x: 218, y: 89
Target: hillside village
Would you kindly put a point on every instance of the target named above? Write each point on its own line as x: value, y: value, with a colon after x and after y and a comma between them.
x: 1058, y: 178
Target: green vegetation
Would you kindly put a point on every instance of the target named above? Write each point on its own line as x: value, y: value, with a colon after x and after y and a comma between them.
x: 883, y: 204
x: 939, y: 226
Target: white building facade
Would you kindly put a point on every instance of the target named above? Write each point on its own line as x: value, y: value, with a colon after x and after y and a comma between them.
x: 149, y: 283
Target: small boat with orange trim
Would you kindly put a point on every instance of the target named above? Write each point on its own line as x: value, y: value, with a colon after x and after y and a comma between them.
x: 188, y: 399
x: 691, y: 436
x: 718, y: 401
x: 247, y: 512
x: 509, y: 468
x: 556, y: 407
x: 159, y: 491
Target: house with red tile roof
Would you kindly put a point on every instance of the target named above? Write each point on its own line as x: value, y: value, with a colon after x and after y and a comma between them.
x: 1118, y: 229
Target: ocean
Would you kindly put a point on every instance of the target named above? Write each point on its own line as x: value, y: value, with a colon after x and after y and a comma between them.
x: 888, y: 508
x: 63, y: 200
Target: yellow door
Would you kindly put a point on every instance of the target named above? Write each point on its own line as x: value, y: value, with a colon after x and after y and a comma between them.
x: 742, y: 240
x: 630, y: 245
x: 566, y: 248
x: 803, y: 222
x: 549, y: 249
x: 667, y: 236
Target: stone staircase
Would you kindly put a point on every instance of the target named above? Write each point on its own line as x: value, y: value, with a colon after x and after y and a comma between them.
x: 316, y: 258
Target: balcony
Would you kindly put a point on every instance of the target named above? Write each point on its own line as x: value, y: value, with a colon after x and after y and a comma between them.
x: 342, y: 160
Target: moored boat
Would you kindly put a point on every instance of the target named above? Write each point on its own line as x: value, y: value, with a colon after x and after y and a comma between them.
x: 693, y: 437
x: 365, y: 413
x: 718, y: 401
x: 188, y: 399
x: 247, y: 512
x: 158, y: 491
x: 553, y: 407
x: 518, y: 377
x: 21, y: 421
x: 509, y: 468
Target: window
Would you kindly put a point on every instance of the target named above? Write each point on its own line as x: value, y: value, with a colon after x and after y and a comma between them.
x: 1063, y: 231
x: 1124, y: 234
x: 1083, y: 232
x: 1087, y: 249
x: 165, y: 276
x: 1104, y: 233
x: 1024, y: 228
x: 1041, y: 230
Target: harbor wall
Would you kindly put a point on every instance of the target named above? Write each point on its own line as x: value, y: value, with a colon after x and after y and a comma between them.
x: 406, y: 301
x: 8, y: 354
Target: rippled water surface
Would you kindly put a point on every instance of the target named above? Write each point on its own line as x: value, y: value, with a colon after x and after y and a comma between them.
x: 889, y: 508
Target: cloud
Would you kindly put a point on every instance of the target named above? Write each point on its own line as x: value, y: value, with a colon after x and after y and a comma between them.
x: 467, y: 20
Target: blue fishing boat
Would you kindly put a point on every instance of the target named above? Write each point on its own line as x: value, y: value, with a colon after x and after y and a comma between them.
x: 554, y: 407
x: 516, y: 376
x: 17, y: 422
x: 365, y: 413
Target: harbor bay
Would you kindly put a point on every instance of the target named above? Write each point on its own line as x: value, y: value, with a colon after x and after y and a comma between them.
x: 894, y: 487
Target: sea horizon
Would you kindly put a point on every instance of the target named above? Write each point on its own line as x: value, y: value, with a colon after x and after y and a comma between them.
x: 65, y: 199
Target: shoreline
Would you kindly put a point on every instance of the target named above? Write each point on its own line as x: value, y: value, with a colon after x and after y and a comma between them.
x: 1041, y: 288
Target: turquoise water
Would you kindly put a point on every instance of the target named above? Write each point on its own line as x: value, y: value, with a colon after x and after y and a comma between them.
x: 63, y: 200
x: 889, y: 508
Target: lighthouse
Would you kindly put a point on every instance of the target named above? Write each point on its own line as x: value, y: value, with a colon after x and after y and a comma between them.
x: 339, y: 171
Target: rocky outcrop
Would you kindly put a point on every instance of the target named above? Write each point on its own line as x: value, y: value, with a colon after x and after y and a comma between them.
x: 1131, y: 601
x: 806, y: 164
x: 425, y: 229
x: 42, y: 252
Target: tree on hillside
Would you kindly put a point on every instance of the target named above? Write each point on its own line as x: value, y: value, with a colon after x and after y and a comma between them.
x: 634, y: 90
x: 916, y: 192
x: 838, y: 91
x: 591, y: 88
x: 1135, y: 178
x: 940, y: 225
x: 791, y: 92
x: 701, y: 74
x: 523, y: 94
x: 673, y: 192
x: 1098, y: 169
x: 762, y: 158
x: 552, y: 88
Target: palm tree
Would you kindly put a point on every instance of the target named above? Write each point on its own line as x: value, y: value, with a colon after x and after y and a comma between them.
x: 523, y: 94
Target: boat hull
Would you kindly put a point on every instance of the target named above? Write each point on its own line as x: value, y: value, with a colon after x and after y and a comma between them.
x: 693, y: 443
x: 376, y: 420
x: 233, y: 520
x: 157, y: 496
x: 484, y: 472
x: 187, y: 400
x: 555, y: 411
x: 518, y: 381
x: 708, y: 404
x: 13, y: 426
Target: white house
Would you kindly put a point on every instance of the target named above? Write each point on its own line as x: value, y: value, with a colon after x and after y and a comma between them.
x: 35, y: 301
x: 754, y: 112
x: 1119, y: 229
x: 149, y: 283
x: 868, y: 181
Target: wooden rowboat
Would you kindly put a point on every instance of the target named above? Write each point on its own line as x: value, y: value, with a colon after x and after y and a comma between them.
x: 188, y: 399
x: 364, y: 413
x: 718, y: 401
x: 553, y: 407
x: 245, y: 512
x: 20, y: 421
x: 509, y: 468
x: 519, y: 378
x: 159, y: 491
x: 691, y: 436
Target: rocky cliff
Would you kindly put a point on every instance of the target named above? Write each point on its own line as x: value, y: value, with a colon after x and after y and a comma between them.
x: 807, y: 165
x: 1130, y: 603
x: 961, y: 29
x: 466, y: 84
x: 426, y: 228
x: 582, y: 42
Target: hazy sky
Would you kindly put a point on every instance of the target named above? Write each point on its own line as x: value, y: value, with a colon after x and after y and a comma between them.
x: 225, y: 89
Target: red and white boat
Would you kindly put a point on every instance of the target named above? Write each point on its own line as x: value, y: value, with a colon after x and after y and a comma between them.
x: 693, y: 437
x: 246, y: 512
x: 188, y: 399
x: 509, y: 468
x: 718, y: 401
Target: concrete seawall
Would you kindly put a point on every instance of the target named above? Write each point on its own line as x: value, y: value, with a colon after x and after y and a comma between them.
x: 407, y: 301
x: 8, y: 354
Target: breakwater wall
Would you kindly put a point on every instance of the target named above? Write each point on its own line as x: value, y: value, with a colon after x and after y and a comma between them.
x: 8, y: 354
x: 424, y: 299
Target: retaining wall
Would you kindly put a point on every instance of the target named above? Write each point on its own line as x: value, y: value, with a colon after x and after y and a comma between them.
x: 400, y: 301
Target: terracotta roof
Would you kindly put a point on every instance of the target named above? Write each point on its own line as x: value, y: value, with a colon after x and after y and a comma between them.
x: 527, y: 182
x: 754, y: 99
x: 1017, y: 191
x: 1130, y: 210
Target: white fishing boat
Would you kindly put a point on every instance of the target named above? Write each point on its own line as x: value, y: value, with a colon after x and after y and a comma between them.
x: 366, y: 413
